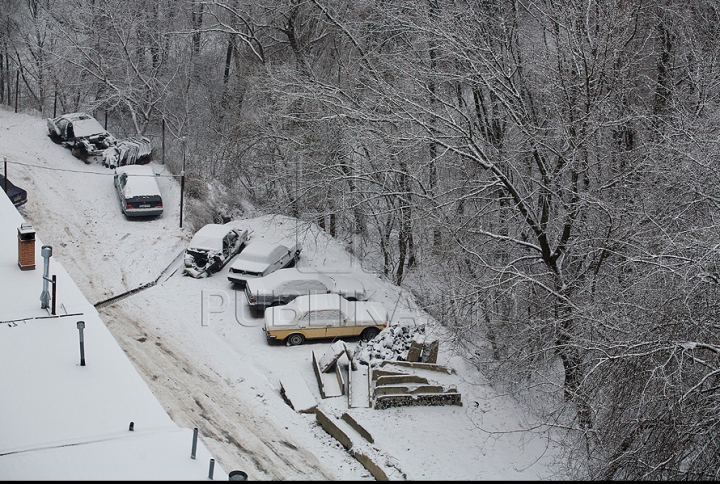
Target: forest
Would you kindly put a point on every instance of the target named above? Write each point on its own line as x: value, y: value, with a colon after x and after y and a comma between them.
x: 541, y: 174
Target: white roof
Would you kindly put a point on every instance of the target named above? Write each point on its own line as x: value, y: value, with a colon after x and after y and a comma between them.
x: 258, y: 255
x: 61, y: 420
x: 270, y: 283
x: 209, y: 237
x: 141, y: 180
x: 262, y: 250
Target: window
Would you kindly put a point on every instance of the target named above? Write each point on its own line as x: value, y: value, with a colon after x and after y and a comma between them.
x: 325, y: 317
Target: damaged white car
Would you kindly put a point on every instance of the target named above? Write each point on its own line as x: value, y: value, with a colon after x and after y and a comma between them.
x: 90, y: 142
x: 212, y: 247
x: 83, y: 134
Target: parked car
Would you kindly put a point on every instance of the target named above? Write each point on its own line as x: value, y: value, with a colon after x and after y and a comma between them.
x: 262, y: 257
x: 82, y: 133
x: 317, y: 316
x: 17, y: 195
x: 212, y: 247
x: 284, y: 285
x: 138, y: 191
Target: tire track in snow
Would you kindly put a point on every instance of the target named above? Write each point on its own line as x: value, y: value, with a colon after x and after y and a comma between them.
x: 195, y: 399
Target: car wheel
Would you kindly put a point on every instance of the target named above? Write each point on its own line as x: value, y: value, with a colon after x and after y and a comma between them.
x: 370, y: 333
x: 295, y: 339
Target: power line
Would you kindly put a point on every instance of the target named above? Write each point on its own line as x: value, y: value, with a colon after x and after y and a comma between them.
x: 77, y: 171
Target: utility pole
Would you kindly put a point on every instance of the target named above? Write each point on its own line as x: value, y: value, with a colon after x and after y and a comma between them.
x: 182, y: 183
x: 17, y: 88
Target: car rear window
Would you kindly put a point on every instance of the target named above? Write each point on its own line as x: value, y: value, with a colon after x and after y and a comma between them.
x: 144, y: 202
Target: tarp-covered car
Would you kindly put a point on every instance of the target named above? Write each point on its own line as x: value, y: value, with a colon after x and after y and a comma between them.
x: 82, y: 133
x: 130, y: 151
x: 212, y: 247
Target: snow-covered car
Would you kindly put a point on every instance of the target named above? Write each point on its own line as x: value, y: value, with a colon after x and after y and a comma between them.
x: 284, y: 285
x: 262, y: 257
x: 83, y: 134
x: 17, y: 195
x: 138, y: 191
x: 212, y: 247
x: 318, y: 316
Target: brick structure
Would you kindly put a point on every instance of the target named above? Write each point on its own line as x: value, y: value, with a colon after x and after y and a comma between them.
x: 26, y: 247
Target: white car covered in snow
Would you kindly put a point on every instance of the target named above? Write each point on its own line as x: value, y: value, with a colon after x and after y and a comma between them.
x: 284, y: 285
x: 212, y: 247
x: 262, y: 257
x: 319, y: 316
x: 138, y: 191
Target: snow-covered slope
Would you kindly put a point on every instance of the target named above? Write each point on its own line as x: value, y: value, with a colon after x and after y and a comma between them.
x: 205, y: 357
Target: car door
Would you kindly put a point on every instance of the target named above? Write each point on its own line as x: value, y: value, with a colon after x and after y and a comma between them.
x: 312, y: 326
x: 333, y: 320
x: 120, y: 181
x: 282, y: 258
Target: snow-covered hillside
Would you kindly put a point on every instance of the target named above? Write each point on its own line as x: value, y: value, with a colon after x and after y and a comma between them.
x: 205, y: 356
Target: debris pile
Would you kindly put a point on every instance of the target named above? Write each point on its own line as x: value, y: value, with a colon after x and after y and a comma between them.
x: 392, y: 344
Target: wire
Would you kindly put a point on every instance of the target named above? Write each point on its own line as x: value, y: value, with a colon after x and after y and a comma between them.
x: 79, y: 171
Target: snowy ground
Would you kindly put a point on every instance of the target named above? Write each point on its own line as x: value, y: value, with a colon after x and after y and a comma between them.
x: 205, y: 357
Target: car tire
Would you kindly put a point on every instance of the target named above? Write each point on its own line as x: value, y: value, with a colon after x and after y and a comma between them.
x: 370, y: 333
x: 295, y: 339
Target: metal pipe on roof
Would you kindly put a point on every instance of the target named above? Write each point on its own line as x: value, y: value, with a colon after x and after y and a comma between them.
x: 46, y: 252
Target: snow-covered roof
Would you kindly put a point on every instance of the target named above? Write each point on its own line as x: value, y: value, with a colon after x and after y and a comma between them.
x: 65, y: 420
x: 262, y: 251
x: 300, y: 280
x: 209, y: 237
x: 141, y: 181
x: 259, y: 255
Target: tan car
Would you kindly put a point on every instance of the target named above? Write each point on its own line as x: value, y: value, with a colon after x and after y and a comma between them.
x: 318, y: 316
